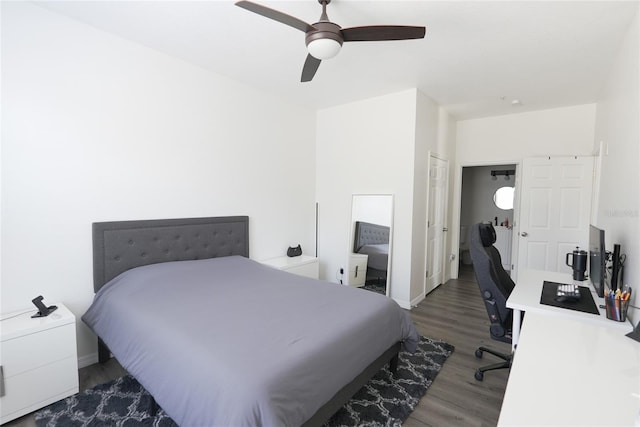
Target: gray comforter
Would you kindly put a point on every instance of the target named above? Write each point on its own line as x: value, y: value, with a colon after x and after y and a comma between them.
x: 378, y: 255
x: 231, y: 342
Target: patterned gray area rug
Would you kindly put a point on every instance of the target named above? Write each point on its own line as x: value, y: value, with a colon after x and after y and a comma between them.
x: 375, y: 287
x: 386, y: 400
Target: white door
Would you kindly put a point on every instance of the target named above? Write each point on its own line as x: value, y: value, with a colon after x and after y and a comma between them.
x: 555, y: 210
x: 438, y: 173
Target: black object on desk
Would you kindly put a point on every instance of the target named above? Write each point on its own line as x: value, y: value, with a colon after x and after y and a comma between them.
x: 635, y: 334
x: 585, y: 304
x: 568, y: 293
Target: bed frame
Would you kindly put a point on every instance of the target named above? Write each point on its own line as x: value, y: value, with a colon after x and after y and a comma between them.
x: 122, y: 245
x: 367, y: 233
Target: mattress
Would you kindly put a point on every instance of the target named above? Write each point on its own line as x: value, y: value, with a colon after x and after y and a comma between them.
x: 378, y: 255
x: 229, y: 341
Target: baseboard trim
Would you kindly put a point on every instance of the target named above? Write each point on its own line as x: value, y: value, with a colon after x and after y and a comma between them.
x: 89, y: 359
x: 417, y: 300
x: 407, y: 305
x: 404, y: 304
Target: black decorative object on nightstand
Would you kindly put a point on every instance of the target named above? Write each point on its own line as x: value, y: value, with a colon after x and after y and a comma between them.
x: 297, y: 251
x: 43, y: 310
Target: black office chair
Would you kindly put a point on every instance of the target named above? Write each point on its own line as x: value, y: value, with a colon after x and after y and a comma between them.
x: 495, y: 287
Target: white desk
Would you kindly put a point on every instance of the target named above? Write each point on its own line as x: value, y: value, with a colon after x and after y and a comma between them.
x: 598, y: 384
x: 526, y: 297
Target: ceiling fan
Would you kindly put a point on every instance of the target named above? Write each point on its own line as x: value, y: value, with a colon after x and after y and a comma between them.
x: 324, y: 38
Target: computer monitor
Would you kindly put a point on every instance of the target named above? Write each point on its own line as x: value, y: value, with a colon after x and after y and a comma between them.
x: 597, y: 259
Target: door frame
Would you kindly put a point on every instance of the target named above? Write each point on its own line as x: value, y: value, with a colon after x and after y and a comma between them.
x: 454, y: 230
x: 445, y: 202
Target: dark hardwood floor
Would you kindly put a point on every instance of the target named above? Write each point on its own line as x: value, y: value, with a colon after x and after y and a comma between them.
x: 455, y: 313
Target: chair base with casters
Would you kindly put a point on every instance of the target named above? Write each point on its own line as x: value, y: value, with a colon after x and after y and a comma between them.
x: 508, y: 358
x: 498, y: 333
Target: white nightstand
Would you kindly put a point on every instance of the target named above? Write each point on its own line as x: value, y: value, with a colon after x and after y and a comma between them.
x: 39, y: 361
x: 303, y: 265
x: 357, y: 269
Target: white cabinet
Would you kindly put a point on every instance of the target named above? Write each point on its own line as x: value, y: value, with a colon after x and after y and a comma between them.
x: 39, y: 361
x: 303, y: 265
x: 357, y: 269
x: 503, y: 245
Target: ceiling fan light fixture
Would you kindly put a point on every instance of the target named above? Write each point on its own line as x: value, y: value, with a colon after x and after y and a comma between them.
x: 324, y: 48
x: 324, y: 38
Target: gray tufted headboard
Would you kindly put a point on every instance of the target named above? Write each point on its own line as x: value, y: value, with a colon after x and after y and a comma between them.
x: 119, y: 246
x: 367, y: 233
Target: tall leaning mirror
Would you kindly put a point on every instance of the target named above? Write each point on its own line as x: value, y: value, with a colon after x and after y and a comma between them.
x: 370, y: 245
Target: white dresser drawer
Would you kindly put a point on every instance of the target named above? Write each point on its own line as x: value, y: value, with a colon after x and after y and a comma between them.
x: 39, y: 361
x: 38, y: 387
x: 303, y: 265
x: 37, y: 349
x: 308, y: 270
x: 357, y: 269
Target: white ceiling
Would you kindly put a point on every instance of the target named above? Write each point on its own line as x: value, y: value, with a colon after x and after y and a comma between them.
x: 477, y: 56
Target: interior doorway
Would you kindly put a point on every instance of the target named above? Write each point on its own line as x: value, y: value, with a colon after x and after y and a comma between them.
x: 436, y: 222
x: 487, y: 195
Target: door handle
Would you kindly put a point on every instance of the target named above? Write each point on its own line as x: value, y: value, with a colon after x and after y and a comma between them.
x: 524, y: 234
x: 445, y: 229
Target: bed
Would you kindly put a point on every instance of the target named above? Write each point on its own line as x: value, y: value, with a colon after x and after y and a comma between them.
x: 219, y: 339
x: 373, y: 240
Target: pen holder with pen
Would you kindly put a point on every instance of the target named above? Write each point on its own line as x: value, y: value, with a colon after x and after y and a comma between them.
x: 616, y: 308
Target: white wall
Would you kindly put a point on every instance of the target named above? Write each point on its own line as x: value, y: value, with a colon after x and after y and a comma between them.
x: 617, y: 127
x: 379, y: 146
x: 97, y: 128
x: 558, y: 131
x: 365, y: 147
x: 430, y: 139
x: 511, y: 138
x: 448, y: 136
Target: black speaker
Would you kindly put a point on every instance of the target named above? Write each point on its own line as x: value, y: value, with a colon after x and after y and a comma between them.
x: 615, y: 270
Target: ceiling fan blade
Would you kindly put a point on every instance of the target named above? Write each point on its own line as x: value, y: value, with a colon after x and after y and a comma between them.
x: 311, y: 65
x: 382, y: 32
x: 275, y: 15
